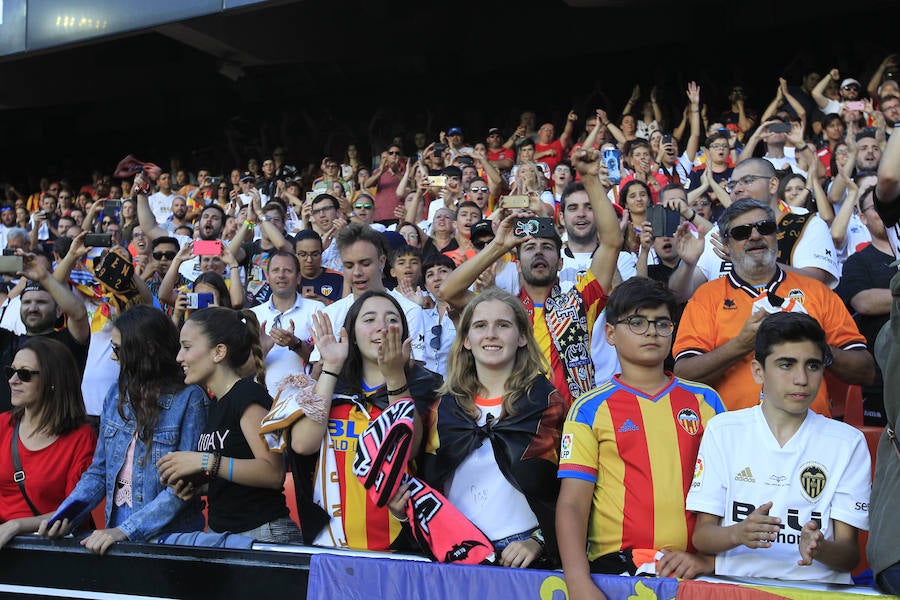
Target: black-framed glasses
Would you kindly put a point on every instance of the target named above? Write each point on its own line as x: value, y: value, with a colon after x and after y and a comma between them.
x: 743, y: 232
x: 393, y: 152
x: 719, y: 147
x: 746, y: 180
x: 436, y: 331
x: 164, y: 255
x: 640, y: 325
x: 115, y: 349
x: 24, y: 374
x: 358, y: 206
x: 700, y: 204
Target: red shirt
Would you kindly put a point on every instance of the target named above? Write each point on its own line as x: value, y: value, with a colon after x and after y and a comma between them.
x: 386, y: 195
x: 550, y: 161
x: 50, y: 473
x: 501, y: 154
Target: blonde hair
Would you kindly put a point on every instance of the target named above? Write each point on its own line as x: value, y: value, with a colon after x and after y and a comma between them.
x: 462, y: 376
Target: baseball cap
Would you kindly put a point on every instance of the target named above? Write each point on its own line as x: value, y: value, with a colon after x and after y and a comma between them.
x: 248, y: 176
x: 850, y: 81
x: 494, y: 131
x: 484, y: 227
x: 454, y: 131
x: 452, y: 171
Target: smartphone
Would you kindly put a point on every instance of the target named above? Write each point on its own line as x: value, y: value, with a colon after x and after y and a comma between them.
x: 467, y: 161
x: 663, y: 220
x: 437, y: 181
x: 98, y: 240
x: 438, y: 149
x: 855, y: 105
x: 214, y: 180
x: 208, y: 248
x: 197, y: 300
x: 517, y: 201
x: 9, y: 252
x: 612, y: 158
x: 70, y: 512
x: 10, y: 265
x: 667, y: 138
x: 534, y: 226
x: 779, y: 127
x: 346, y: 171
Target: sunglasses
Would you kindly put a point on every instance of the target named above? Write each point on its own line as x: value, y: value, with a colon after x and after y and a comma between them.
x: 393, y: 153
x: 475, y: 190
x: 363, y: 205
x: 436, y: 331
x: 743, y: 232
x: 164, y: 255
x: 24, y: 374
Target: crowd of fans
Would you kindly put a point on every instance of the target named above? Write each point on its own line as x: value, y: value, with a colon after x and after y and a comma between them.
x: 501, y: 280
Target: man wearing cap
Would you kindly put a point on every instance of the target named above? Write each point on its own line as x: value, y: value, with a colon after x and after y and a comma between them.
x: 455, y: 144
x: 43, y: 304
x: 849, y: 91
x: 550, y: 151
x: 248, y: 186
x: 502, y: 158
x: 563, y: 320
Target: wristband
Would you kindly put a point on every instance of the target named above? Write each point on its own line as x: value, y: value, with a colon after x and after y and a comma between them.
x: 249, y: 224
x: 693, y: 216
x: 405, y: 519
x: 230, y: 468
x: 335, y: 375
x: 204, y: 463
x: 398, y: 391
x: 295, y: 346
x: 805, y: 146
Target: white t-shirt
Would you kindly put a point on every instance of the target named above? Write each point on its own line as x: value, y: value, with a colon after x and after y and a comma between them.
x: 281, y: 360
x: 161, y: 205
x: 337, y: 312
x: 821, y: 473
x: 482, y: 493
x: 815, y: 248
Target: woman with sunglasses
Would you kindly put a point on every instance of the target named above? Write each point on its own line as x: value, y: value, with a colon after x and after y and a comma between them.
x: 492, y: 440
x: 243, y: 479
x: 45, y: 436
x: 147, y: 413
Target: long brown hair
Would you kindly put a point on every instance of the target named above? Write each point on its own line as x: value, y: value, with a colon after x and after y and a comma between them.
x: 462, y: 376
x: 62, y: 406
x: 147, y: 365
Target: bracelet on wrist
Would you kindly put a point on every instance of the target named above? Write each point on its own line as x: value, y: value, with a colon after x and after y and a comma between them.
x: 399, y: 390
x: 693, y: 216
x: 295, y: 346
x: 799, y: 149
x: 324, y: 372
x: 405, y: 519
x: 249, y: 224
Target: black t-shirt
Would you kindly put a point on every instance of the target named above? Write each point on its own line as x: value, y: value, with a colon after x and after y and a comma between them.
x: 234, y: 507
x: 11, y: 342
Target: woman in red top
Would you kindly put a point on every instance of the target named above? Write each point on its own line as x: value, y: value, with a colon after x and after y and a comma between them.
x: 48, y: 427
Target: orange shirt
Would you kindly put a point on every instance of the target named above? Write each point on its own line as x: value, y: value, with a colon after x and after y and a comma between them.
x: 718, y: 310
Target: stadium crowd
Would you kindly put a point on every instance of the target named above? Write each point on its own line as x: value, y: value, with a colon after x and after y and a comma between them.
x: 619, y: 333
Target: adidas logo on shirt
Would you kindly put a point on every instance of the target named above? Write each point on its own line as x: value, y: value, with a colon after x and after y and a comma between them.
x: 746, y: 476
x: 627, y: 426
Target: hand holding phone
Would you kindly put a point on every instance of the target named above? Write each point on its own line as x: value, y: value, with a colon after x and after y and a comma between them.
x: 69, y: 512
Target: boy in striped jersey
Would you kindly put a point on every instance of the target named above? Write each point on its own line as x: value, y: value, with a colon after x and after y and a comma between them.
x: 628, y: 453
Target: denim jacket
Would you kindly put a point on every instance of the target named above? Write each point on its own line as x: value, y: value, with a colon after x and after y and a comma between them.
x: 155, y: 508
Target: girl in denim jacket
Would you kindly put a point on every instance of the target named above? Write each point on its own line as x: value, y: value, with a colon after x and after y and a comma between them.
x: 147, y: 414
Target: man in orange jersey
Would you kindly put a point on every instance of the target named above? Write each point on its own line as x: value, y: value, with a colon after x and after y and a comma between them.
x: 628, y: 453
x: 718, y: 327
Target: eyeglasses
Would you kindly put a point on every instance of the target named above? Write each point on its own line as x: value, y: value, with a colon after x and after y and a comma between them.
x: 393, y: 152
x: 24, y: 374
x: 309, y: 255
x: 331, y: 166
x: 481, y: 243
x: 164, y: 255
x: 138, y: 234
x: 322, y: 211
x: 368, y: 206
x: 746, y: 180
x: 743, y: 232
x: 852, y: 86
x: 436, y: 331
x: 475, y: 190
x: 719, y: 147
x: 640, y: 325
x: 115, y: 350
x: 700, y: 204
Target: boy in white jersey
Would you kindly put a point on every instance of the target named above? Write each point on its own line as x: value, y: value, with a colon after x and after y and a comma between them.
x: 779, y: 490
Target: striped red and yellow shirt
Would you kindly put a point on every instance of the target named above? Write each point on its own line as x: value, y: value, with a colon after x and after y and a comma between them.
x: 639, y: 451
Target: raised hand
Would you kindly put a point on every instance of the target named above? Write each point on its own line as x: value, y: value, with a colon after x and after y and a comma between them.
x: 693, y: 93
x: 334, y: 352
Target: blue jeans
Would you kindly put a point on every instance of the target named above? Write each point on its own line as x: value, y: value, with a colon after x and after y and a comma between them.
x: 279, y: 531
x: 500, y: 545
x: 889, y: 580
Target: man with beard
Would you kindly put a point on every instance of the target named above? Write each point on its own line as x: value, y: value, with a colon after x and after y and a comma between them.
x: 43, y: 304
x: 7, y: 223
x: 178, y: 217
x: 209, y: 227
x: 254, y: 255
x: 718, y: 329
x: 562, y: 320
x: 324, y: 217
x: 161, y: 201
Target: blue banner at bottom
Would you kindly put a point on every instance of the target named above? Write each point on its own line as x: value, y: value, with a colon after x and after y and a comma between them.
x: 334, y: 577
